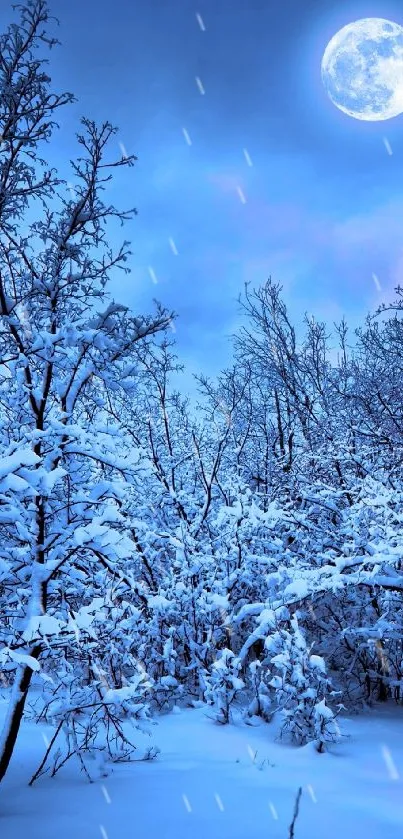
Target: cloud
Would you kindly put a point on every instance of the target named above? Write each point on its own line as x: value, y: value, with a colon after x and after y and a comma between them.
x: 298, y: 229
x: 316, y: 255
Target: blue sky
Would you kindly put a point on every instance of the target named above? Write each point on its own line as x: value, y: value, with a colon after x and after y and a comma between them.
x: 323, y: 204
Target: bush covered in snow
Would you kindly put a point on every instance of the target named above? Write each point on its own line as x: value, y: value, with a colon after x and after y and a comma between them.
x: 223, y: 685
x: 301, y: 688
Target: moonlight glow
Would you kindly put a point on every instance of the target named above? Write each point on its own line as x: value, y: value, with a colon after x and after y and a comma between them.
x: 362, y: 69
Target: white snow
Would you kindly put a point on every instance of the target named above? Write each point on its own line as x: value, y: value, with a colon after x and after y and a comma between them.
x: 23, y: 658
x: 41, y: 625
x: 298, y: 588
x: 12, y: 462
x: 220, y: 782
x: 317, y: 661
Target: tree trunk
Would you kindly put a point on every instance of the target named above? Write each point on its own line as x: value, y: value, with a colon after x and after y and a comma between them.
x: 15, y: 712
x: 383, y: 693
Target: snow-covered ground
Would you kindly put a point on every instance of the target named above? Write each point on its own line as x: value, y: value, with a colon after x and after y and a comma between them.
x: 231, y: 782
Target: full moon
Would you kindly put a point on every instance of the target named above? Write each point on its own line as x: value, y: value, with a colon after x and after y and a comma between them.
x: 362, y: 69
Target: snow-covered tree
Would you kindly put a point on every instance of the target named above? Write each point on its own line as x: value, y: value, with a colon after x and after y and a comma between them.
x: 65, y: 349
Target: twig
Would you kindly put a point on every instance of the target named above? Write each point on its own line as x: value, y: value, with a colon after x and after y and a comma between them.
x: 295, y: 816
x: 40, y: 767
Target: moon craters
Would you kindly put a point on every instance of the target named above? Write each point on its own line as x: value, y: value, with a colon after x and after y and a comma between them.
x: 362, y: 69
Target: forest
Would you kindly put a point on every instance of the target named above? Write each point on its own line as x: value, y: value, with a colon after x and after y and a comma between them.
x: 244, y: 555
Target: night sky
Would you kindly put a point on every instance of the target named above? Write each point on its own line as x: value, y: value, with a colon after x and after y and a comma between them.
x: 320, y: 208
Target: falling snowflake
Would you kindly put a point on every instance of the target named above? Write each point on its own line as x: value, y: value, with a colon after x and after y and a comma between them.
x: 152, y: 275
x: 186, y: 136
x: 377, y: 283
x: 390, y: 764
x: 200, y: 85
x: 247, y: 157
x: 200, y: 21
x: 123, y: 150
x: 106, y: 794
x: 173, y: 247
x: 273, y: 811
x: 312, y: 793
